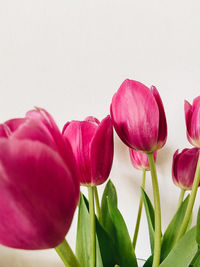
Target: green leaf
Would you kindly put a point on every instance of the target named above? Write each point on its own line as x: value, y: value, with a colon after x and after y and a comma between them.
x: 150, y: 217
x: 121, y: 237
x: 106, y: 246
x: 171, y: 232
x: 198, y: 228
x: 149, y: 262
x: 109, y: 192
x: 83, y: 236
x: 197, y: 262
x: 183, y: 252
x: 195, y: 258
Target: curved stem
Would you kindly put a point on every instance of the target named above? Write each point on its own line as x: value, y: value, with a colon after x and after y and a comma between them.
x: 67, y: 255
x: 139, y: 210
x: 97, y: 202
x: 92, y: 227
x: 191, y: 202
x: 157, y: 235
x: 181, y: 198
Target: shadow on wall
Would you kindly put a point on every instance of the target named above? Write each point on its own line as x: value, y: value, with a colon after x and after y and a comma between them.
x: 19, y: 258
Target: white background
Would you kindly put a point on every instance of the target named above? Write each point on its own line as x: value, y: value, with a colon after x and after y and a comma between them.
x: 71, y: 56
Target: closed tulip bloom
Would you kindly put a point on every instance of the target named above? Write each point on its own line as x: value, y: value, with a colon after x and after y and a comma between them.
x: 184, y: 167
x: 192, y: 121
x: 139, y: 160
x: 92, y: 145
x: 138, y: 116
x: 39, y: 184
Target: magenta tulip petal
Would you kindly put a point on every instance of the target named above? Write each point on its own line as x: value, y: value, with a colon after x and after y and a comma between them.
x: 195, y: 122
x: 92, y: 146
x: 92, y: 119
x: 135, y: 116
x: 188, y: 115
x: 162, y: 135
x: 140, y: 160
x: 174, y: 169
x: 14, y: 124
x: 80, y: 134
x: 45, y: 118
x: 101, y: 152
x: 184, y: 167
x: 37, y: 195
x: 192, y: 114
x: 34, y: 130
x: 48, y: 122
x: 4, y: 131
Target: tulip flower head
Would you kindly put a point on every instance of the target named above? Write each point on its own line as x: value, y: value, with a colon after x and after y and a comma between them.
x: 184, y: 167
x: 138, y: 116
x: 192, y: 121
x: 92, y: 144
x: 140, y: 160
x: 39, y: 183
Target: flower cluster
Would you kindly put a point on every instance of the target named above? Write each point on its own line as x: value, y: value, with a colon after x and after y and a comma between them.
x: 42, y: 168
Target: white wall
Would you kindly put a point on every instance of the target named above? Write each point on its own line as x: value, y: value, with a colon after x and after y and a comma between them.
x: 71, y: 56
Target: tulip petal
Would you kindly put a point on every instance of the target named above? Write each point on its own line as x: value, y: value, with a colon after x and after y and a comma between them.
x: 80, y: 134
x: 4, y: 130
x: 101, y: 152
x: 45, y: 118
x: 184, y: 167
x: 174, y: 169
x: 188, y: 116
x: 162, y: 134
x: 34, y: 130
x: 14, y: 124
x: 62, y: 145
x: 37, y: 195
x: 92, y: 119
x: 135, y: 116
x: 194, y: 130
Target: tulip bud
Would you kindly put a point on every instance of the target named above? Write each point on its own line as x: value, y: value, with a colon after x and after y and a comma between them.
x: 138, y: 116
x: 184, y: 167
x: 92, y: 144
x: 39, y: 183
x: 192, y: 121
x: 140, y: 160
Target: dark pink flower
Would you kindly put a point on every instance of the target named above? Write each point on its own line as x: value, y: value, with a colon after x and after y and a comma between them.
x: 39, y: 183
x: 140, y: 159
x: 184, y: 167
x: 192, y: 115
x: 138, y: 116
x: 92, y: 144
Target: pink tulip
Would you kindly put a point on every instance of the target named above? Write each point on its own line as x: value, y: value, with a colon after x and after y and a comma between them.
x: 184, y: 167
x: 192, y: 121
x: 138, y: 116
x: 92, y: 144
x: 140, y: 160
x: 39, y: 184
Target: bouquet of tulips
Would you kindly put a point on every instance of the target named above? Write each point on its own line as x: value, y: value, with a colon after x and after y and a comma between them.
x: 41, y: 170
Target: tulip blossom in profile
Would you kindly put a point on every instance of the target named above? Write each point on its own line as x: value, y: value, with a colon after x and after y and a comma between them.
x: 138, y: 116
x: 192, y: 121
x: 184, y: 167
x: 92, y: 144
x: 139, y: 160
x: 39, y: 183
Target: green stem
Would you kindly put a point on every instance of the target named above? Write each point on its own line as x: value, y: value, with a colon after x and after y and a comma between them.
x: 139, y: 211
x: 97, y: 202
x: 157, y: 235
x: 92, y: 227
x: 67, y: 255
x: 191, y: 202
x: 181, y: 198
